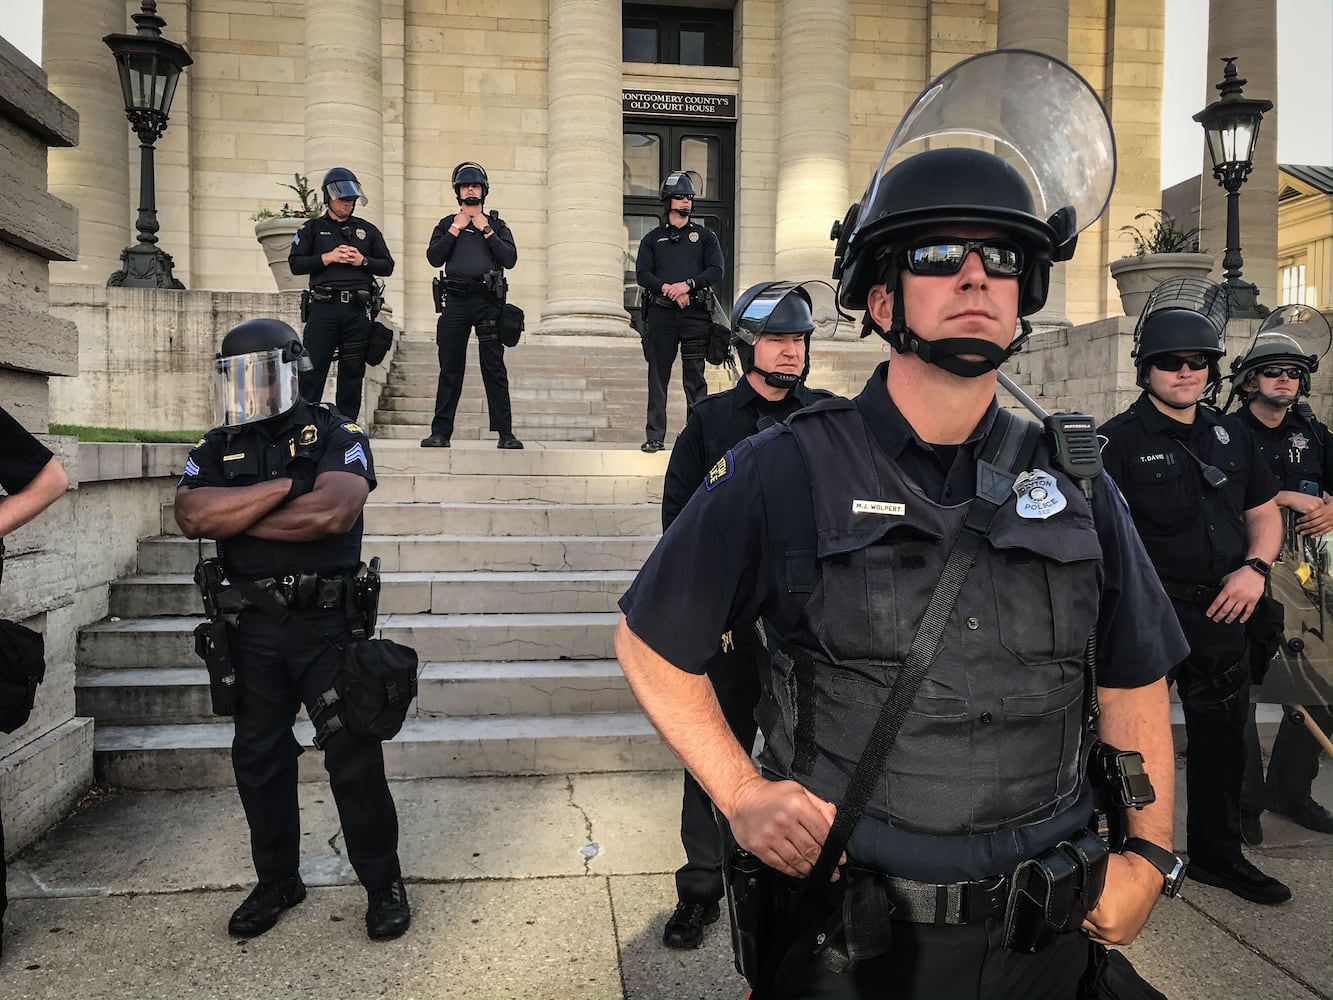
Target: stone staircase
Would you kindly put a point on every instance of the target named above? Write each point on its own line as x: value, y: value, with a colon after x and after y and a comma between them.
x: 587, y: 389
x: 501, y: 569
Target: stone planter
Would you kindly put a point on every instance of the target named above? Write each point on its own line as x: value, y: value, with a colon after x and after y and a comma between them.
x: 275, y: 236
x: 1136, y: 277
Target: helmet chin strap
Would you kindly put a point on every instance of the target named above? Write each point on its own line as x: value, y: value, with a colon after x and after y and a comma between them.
x: 779, y: 380
x: 684, y: 213
x: 947, y: 353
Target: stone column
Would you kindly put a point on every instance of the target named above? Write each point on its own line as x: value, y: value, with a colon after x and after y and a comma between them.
x: 1043, y: 26
x: 585, y: 255
x: 93, y: 176
x: 1246, y: 29
x: 814, y: 126
x: 344, y: 98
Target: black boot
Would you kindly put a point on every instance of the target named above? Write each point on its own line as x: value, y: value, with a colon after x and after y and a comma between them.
x: 387, y: 913
x: 264, y: 906
x: 685, y: 927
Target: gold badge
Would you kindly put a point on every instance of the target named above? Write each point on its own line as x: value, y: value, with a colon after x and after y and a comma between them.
x: 360, y: 234
x: 233, y: 458
x: 354, y: 428
x: 308, y: 434
x: 694, y: 237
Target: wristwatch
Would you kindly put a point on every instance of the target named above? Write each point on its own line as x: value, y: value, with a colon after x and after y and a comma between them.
x: 1170, y: 865
x: 487, y: 231
x: 1259, y: 566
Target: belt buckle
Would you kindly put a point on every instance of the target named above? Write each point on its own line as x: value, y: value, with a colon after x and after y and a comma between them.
x: 345, y: 297
x: 984, y: 898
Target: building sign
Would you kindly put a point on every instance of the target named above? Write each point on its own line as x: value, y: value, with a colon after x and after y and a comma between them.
x: 672, y: 104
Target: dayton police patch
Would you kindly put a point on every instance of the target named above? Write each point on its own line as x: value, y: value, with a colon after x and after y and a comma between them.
x: 720, y: 472
x: 1038, y: 495
x: 354, y: 428
x: 1221, y: 434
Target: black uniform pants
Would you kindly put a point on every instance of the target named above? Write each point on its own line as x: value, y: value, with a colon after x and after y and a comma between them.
x: 278, y: 668
x: 668, y: 330
x: 925, y: 962
x: 1292, y: 766
x: 735, y: 677
x: 461, y: 314
x: 1214, y: 686
x: 345, y: 328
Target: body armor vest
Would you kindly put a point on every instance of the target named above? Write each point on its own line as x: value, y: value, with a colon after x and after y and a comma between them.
x: 994, y: 737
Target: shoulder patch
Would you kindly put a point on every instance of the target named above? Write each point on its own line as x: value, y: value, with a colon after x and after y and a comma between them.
x: 354, y: 428
x: 296, y: 238
x: 200, y: 442
x: 720, y: 472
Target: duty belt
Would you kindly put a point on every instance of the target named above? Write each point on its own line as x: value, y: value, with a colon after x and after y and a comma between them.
x: 463, y: 286
x: 1192, y: 593
x: 307, y: 591
x: 944, y: 904
x: 347, y: 296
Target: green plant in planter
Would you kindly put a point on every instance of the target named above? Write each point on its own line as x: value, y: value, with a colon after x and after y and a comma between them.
x: 308, y: 209
x: 1160, y: 235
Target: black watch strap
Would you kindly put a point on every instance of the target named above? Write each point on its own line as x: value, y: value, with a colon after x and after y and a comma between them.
x: 1258, y: 565
x: 1169, y: 864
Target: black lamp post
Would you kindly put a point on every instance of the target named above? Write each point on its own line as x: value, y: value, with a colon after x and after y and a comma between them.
x: 149, y: 67
x: 1231, y: 124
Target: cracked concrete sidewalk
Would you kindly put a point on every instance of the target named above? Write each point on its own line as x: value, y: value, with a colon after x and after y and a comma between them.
x: 521, y: 887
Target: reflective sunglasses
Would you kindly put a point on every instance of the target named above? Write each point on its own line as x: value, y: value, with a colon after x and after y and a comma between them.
x: 1276, y: 371
x: 1174, y: 362
x: 946, y: 255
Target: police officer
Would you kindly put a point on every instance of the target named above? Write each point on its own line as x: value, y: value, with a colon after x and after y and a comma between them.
x: 1202, y: 497
x: 834, y: 529
x: 771, y: 327
x: 343, y: 254
x: 475, y: 249
x: 32, y: 480
x: 676, y: 262
x: 281, y: 485
x: 1270, y: 378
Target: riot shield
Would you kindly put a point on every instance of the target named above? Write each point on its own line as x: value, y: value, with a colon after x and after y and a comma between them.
x: 1302, y: 671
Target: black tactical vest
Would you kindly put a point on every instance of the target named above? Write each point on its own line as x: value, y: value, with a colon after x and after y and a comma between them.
x: 993, y: 739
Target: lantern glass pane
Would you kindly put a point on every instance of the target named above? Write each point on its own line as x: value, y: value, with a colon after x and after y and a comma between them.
x: 1246, y: 131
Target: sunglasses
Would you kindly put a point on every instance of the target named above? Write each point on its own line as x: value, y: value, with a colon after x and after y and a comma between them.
x: 1276, y: 371
x: 1174, y: 362
x: 946, y: 255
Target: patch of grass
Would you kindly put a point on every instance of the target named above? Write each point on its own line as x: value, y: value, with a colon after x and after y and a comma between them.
x: 125, y: 434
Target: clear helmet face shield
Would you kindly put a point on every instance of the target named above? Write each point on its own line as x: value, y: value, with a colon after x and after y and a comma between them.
x: 821, y: 297
x: 248, y: 388
x: 344, y: 189
x: 1295, y: 333
x: 1031, y: 110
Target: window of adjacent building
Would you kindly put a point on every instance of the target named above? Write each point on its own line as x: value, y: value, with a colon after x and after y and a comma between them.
x: 678, y: 36
x: 1294, y: 288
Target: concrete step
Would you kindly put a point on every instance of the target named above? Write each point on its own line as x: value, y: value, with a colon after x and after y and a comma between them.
x: 405, y: 457
x: 491, y: 519
x: 538, y: 421
x: 199, y: 755
x: 168, y: 594
x: 471, y: 431
x: 145, y: 696
x: 475, y: 405
x: 557, y: 489
x: 167, y: 642
x: 460, y: 553
x: 390, y: 398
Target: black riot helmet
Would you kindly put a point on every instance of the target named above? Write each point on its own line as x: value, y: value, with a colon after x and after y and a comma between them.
x: 677, y: 184
x: 468, y: 172
x: 772, y: 307
x: 1049, y: 177
x: 255, y: 372
x: 342, y: 183
x: 1296, y: 335
x: 1182, y: 314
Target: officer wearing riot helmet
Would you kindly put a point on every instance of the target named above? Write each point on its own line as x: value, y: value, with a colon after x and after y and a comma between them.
x: 835, y: 529
x: 771, y: 326
x: 343, y: 254
x: 1202, y: 496
x: 1270, y: 379
x: 281, y: 485
x: 676, y: 263
x: 475, y: 249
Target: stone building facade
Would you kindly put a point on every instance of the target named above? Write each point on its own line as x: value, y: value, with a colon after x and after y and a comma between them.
x: 782, y: 107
